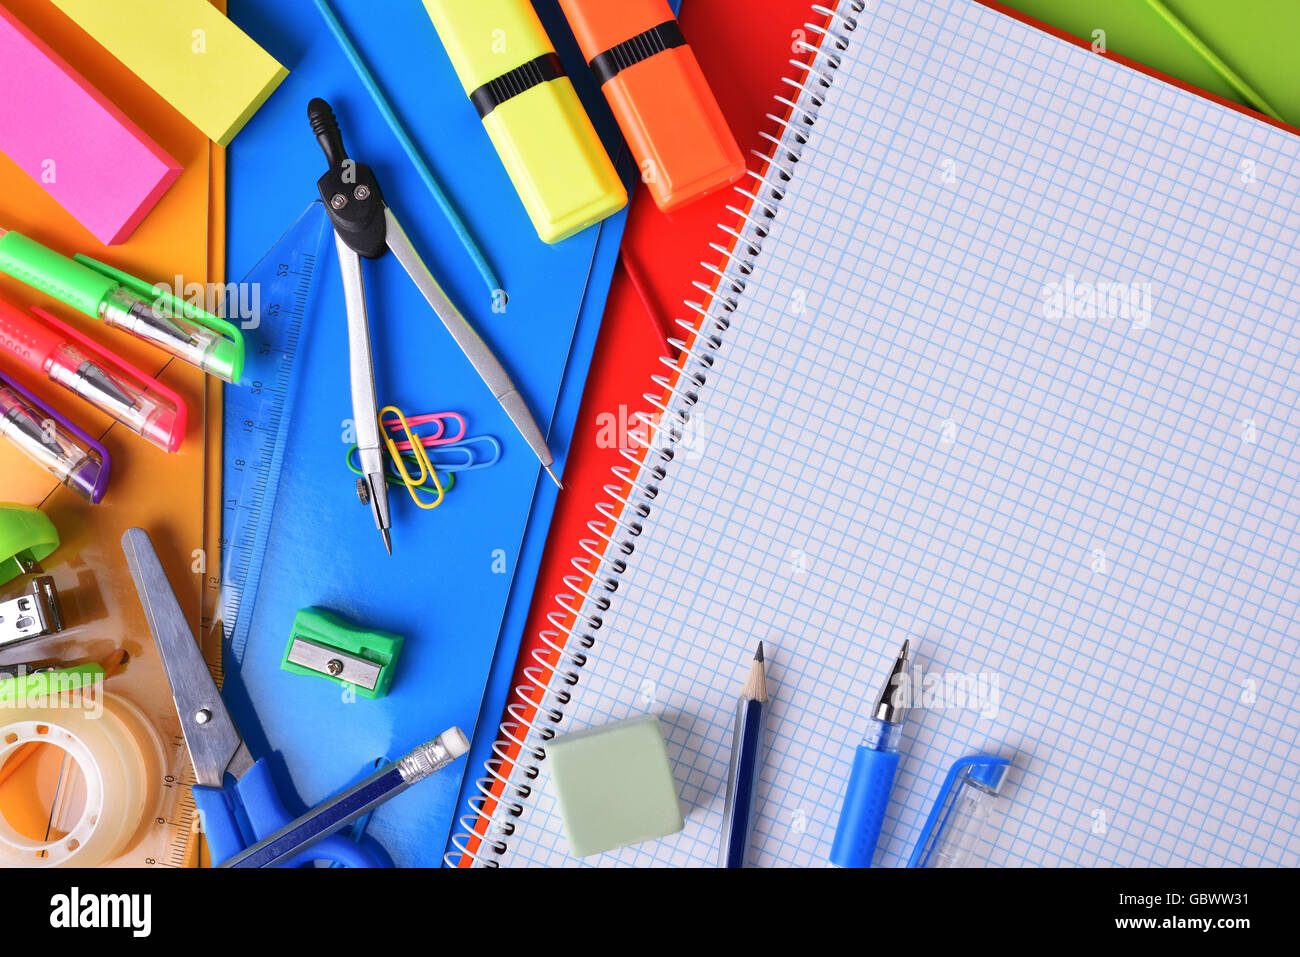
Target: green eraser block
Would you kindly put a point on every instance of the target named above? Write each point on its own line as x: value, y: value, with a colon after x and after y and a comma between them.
x: 614, y: 785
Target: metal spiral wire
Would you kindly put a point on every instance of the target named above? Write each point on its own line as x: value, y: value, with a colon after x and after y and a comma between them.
x: 535, y: 713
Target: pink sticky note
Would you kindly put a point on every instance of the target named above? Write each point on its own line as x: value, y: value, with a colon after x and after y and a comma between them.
x: 67, y: 136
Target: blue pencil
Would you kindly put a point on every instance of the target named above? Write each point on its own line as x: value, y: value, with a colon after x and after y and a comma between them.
x: 412, y: 151
x: 746, y: 759
x: 345, y: 807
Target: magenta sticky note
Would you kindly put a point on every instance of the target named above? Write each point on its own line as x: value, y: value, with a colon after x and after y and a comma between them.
x: 67, y: 136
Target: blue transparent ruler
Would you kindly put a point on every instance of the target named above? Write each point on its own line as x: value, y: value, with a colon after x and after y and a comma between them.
x: 258, y: 413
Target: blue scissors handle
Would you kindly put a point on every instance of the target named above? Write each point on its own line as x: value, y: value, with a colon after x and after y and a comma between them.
x: 238, y: 816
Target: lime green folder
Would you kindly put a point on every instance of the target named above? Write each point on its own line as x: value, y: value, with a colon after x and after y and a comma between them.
x: 1193, y: 40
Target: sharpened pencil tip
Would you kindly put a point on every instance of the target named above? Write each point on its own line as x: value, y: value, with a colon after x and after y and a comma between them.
x: 755, y: 688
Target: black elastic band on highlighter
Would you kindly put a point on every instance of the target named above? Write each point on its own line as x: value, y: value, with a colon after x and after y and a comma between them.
x: 519, y: 80
x: 643, y: 46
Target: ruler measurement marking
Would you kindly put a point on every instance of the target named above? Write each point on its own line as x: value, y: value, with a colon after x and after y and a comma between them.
x: 250, y: 516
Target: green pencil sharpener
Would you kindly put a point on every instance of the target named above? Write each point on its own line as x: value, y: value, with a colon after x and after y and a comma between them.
x: 323, y: 645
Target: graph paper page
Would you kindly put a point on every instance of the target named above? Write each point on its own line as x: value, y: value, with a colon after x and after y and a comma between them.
x: 1016, y: 378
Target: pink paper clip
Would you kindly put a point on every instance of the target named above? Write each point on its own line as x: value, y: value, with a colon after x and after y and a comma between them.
x: 438, y: 437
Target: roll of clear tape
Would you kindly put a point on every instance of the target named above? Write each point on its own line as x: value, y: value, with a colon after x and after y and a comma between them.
x: 120, y: 757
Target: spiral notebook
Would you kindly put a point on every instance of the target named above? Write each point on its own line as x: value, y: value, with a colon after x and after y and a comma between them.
x: 1003, y: 359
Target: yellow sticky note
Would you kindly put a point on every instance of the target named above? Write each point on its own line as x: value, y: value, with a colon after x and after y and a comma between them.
x: 189, y: 53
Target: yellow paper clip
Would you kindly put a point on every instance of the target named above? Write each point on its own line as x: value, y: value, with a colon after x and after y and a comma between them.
x: 421, y: 459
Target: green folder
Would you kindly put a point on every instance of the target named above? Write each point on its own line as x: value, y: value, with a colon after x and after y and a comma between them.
x: 1243, y: 51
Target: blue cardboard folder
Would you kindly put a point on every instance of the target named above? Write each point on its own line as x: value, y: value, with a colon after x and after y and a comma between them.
x: 455, y: 572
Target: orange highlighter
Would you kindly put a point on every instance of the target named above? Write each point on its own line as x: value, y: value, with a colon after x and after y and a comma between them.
x: 658, y: 92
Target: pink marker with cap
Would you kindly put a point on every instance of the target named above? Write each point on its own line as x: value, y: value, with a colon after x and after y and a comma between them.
x: 74, y: 361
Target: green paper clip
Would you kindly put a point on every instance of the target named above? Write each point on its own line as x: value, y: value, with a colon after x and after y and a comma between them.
x: 323, y: 645
x: 26, y: 537
x: 395, y: 480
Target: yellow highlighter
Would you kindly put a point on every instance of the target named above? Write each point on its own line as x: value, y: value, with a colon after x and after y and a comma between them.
x: 509, y: 69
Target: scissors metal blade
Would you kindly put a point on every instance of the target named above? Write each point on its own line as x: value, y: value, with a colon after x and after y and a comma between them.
x: 215, y: 745
x: 361, y: 375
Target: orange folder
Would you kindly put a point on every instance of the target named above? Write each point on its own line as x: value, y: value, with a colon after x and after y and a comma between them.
x: 183, y: 236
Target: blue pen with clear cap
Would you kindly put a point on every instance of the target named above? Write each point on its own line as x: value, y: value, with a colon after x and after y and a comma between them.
x: 874, y: 766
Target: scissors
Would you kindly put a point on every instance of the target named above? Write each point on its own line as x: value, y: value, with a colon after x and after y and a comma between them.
x: 250, y: 809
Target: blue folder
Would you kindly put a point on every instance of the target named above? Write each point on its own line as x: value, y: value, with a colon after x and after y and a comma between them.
x: 457, y: 572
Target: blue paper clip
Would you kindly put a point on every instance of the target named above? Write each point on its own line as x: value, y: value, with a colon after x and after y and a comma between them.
x: 961, y: 812
x: 459, y: 457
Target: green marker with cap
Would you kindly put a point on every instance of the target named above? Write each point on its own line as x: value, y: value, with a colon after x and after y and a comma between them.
x: 124, y: 302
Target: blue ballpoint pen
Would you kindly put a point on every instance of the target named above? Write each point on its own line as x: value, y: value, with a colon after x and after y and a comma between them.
x: 872, y: 779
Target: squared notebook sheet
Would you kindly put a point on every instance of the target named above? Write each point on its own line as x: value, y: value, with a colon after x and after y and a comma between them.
x: 900, y: 437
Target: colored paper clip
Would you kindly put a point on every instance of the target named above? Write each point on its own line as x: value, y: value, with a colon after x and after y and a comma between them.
x: 395, y: 479
x: 960, y: 817
x: 439, y: 437
x: 421, y: 459
x: 445, y: 457
x: 455, y: 453
x: 54, y: 442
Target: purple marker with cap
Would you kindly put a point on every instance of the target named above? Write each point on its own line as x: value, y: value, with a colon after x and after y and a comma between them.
x: 50, y: 440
